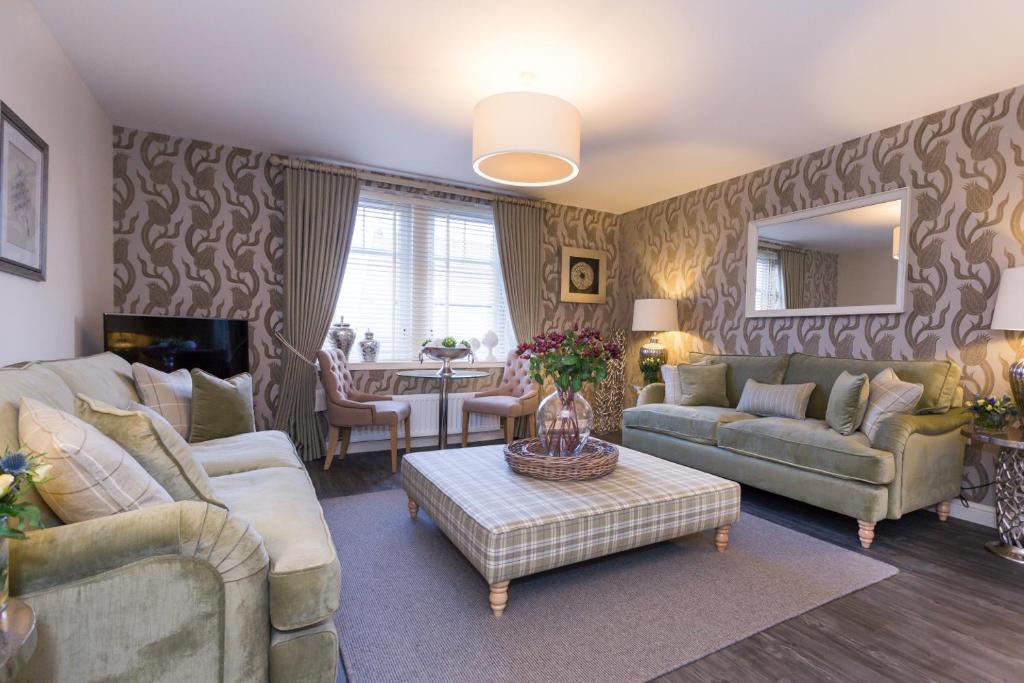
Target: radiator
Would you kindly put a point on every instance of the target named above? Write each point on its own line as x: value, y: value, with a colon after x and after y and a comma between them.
x: 424, y: 419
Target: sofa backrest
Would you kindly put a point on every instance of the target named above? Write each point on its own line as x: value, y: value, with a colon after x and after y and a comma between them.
x: 764, y: 369
x: 939, y: 377
x: 105, y: 376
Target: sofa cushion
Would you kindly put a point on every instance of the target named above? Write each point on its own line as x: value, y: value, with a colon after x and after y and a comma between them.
x: 168, y: 393
x: 105, y: 376
x: 246, y: 452
x: 775, y: 400
x: 888, y: 396
x: 702, y: 384
x: 281, y: 505
x: 764, y: 369
x: 848, y: 402
x: 809, y: 445
x: 693, y: 423
x: 940, y: 379
x: 221, y: 407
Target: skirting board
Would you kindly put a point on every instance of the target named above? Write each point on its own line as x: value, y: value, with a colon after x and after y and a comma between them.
x: 978, y: 513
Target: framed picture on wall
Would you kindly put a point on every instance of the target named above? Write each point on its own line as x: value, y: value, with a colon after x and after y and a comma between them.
x: 23, y: 178
x: 584, y: 275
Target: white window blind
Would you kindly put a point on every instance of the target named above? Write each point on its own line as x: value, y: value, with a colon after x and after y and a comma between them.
x: 768, y: 293
x: 421, y: 268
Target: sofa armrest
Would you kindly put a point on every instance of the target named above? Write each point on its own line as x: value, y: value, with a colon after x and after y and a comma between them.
x: 652, y: 393
x: 894, y: 433
x: 58, y: 555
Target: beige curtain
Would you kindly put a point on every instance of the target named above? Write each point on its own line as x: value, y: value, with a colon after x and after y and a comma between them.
x: 320, y: 214
x: 520, y: 230
x: 792, y: 263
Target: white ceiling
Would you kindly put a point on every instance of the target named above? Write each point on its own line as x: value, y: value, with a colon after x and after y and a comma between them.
x: 675, y: 95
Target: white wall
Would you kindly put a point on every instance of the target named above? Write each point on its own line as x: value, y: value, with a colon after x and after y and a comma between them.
x: 62, y: 316
x: 867, y: 277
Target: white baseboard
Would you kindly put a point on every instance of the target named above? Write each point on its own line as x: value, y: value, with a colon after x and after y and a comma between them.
x: 454, y: 440
x: 979, y: 513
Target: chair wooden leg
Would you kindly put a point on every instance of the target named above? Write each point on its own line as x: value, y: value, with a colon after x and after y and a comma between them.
x: 332, y: 445
x: 465, y: 428
x: 532, y: 424
x: 408, y: 435
x: 510, y: 429
x: 942, y: 509
x: 346, y: 437
x: 866, y: 533
x: 394, y: 447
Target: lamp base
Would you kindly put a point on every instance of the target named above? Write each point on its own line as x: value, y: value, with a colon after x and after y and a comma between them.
x: 653, y: 349
x: 1017, y: 384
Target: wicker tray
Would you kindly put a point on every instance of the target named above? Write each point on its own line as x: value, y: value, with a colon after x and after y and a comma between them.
x: 596, y: 459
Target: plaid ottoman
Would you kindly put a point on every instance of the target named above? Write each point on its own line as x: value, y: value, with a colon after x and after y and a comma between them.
x: 509, y: 526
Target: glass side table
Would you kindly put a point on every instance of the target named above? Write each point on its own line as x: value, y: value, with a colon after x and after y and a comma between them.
x: 1009, y: 491
x: 17, y: 638
x: 442, y: 406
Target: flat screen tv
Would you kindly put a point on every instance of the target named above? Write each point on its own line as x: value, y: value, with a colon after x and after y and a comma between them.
x: 216, y: 345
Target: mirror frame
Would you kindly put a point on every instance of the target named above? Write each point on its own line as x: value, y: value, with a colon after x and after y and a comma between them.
x: 871, y: 309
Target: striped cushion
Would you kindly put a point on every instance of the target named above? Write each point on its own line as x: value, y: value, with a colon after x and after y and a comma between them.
x: 92, y: 476
x: 169, y: 394
x: 889, y: 396
x: 775, y: 400
x: 670, y: 376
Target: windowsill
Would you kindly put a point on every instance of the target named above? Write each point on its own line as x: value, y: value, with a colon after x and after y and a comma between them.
x: 426, y: 365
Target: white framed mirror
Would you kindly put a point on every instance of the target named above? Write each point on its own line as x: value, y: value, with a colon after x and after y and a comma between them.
x: 846, y: 258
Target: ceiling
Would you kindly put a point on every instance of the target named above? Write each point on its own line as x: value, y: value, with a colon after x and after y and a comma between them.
x: 674, y: 94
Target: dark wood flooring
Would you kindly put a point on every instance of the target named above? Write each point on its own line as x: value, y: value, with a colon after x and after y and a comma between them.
x: 955, y: 612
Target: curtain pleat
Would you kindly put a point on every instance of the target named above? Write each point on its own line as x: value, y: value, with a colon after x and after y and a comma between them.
x: 320, y: 214
x: 792, y: 263
x: 519, y: 230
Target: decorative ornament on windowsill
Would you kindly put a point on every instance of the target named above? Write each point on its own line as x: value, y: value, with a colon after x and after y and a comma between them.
x: 654, y: 315
x: 1009, y: 315
x: 490, y: 340
x: 569, y: 359
x: 342, y: 336
x: 369, y: 347
x: 446, y: 350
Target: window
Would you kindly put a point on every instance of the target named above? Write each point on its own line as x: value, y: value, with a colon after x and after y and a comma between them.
x: 768, y: 292
x: 421, y: 268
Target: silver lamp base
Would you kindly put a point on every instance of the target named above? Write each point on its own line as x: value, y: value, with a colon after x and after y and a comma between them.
x: 1007, y: 552
x: 653, y: 349
x: 1017, y: 384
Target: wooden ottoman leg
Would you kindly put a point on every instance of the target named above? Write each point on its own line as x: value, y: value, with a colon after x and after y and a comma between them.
x: 943, y: 510
x: 499, y: 597
x: 413, y: 508
x: 866, y: 533
x: 722, y: 537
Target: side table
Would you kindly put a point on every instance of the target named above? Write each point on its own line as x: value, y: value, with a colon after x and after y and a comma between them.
x: 1009, y: 491
x: 17, y: 638
x: 442, y: 408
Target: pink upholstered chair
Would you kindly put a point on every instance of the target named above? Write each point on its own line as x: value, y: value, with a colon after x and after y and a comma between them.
x: 515, y: 397
x: 348, y: 408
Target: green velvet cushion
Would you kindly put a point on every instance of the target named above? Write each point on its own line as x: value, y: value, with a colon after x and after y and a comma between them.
x: 775, y: 400
x: 847, y: 402
x: 810, y: 445
x: 940, y: 379
x: 245, y: 452
x: 221, y: 407
x: 105, y: 376
x: 764, y: 369
x: 694, y: 423
x: 154, y: 444
x: 702, y: 384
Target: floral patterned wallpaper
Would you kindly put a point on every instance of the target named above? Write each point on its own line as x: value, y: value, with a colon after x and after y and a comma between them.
x: 965, y: 168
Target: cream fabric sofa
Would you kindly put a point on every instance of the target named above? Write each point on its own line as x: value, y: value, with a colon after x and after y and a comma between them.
x: 186, y: 591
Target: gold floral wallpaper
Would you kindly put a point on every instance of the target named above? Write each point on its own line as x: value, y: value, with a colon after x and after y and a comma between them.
x: 198, y: 231
x: 965, y: 168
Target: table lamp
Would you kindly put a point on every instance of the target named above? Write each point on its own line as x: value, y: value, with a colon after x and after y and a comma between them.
x: 654, y: 315
x: 1009, y: 315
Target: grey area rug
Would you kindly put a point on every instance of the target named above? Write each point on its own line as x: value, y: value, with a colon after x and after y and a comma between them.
x: 413, y: 609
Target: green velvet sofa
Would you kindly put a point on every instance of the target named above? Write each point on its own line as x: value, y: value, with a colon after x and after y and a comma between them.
x: 915, y: 460
x: 186, y: 591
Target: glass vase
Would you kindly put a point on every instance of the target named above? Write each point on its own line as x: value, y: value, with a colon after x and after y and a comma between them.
x: 564, y: 421
x: 993, y: 423
x: 4, y: 578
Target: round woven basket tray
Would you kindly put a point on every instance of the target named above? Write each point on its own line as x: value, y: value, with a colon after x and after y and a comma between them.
x: 596, y: 459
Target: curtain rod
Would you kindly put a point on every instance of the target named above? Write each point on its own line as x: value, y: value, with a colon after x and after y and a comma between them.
x: 370, y: 176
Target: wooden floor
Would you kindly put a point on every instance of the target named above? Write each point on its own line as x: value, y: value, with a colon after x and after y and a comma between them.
x: 955, y: 612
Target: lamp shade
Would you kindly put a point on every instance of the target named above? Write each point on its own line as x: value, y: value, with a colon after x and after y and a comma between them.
x: 526, y: 139
x: 1009, y: 313
x: 655, y: 315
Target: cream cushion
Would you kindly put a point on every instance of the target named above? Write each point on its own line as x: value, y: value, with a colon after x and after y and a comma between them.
x: 168, y: 393
x: 888, y: 396
x: 92, y: 475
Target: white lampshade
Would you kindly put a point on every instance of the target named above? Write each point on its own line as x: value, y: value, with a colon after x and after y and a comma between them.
x: 1009, y: 313
x: 655, y: 315
x: 526, y: 139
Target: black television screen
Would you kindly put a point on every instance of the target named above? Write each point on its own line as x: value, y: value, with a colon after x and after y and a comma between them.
x: 216, y: 345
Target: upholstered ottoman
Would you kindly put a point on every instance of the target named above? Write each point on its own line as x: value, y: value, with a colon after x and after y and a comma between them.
x: 509, y: 526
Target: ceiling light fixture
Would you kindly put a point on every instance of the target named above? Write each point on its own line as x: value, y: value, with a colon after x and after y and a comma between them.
x: 526, y: 139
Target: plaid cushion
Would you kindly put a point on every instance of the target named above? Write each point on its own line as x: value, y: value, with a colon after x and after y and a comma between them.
x: 169, y: 394
x: 508, y: 525
x: 888, y: 396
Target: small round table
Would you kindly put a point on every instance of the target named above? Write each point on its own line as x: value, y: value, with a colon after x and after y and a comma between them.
x: 442, y: 407
x: 17, y: 638
x: 1009, y: 491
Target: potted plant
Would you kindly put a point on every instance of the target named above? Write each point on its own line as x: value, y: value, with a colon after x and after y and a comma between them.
x: 17, y: 473
x: 992, y: 414
x: 569, y: 359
